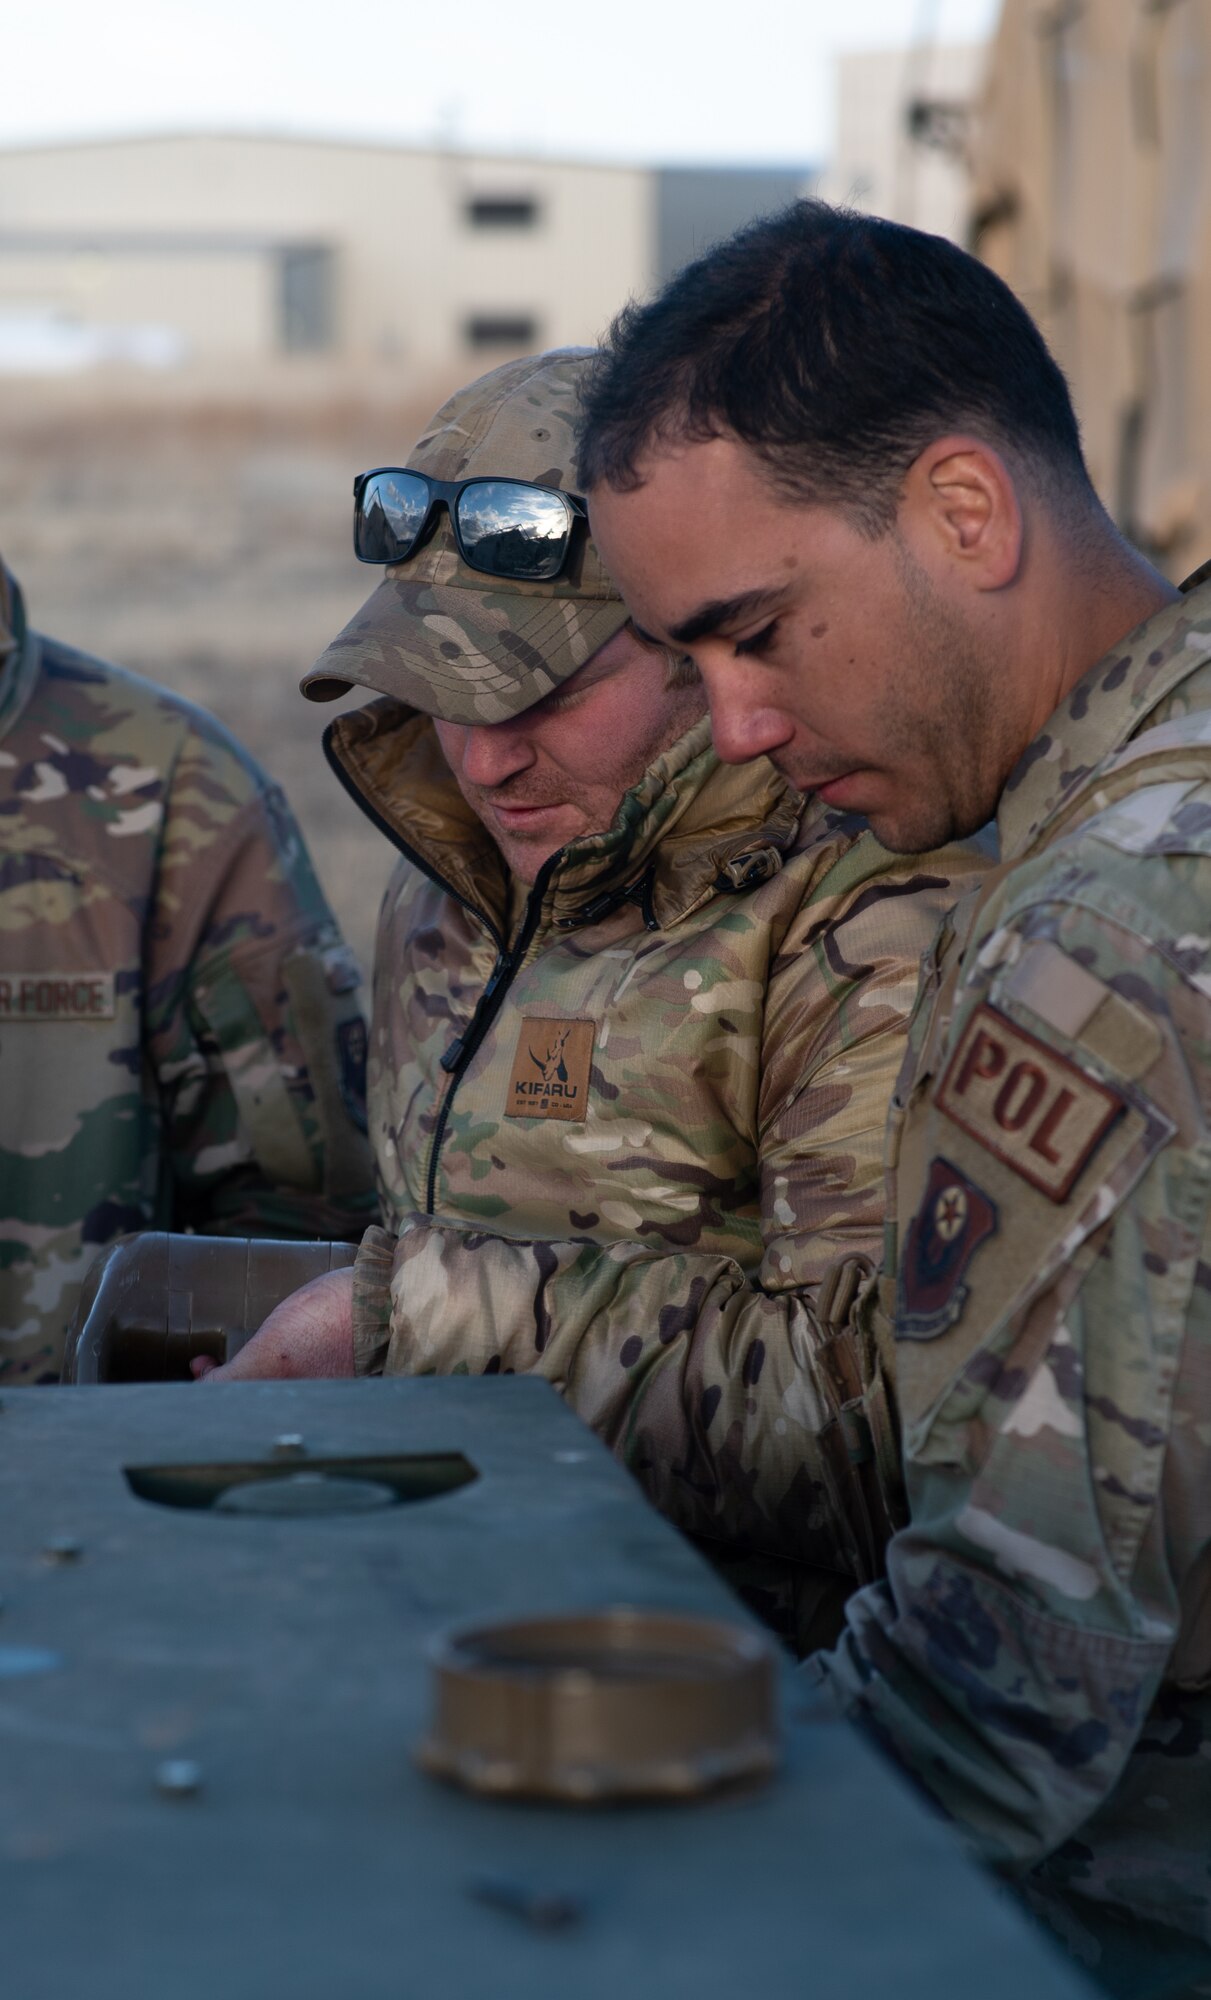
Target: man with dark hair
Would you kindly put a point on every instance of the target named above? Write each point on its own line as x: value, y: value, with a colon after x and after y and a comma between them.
x: 836, y: 465
x: 798, y: 357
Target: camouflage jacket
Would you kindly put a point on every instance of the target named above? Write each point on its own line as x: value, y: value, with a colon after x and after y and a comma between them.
x: 180, y: 1040
x: 1040, y: 1652
x: 624, y: 1150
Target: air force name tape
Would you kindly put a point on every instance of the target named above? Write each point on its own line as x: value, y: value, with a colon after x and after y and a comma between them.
x: 1027, y: 1105
x: 57, y: 996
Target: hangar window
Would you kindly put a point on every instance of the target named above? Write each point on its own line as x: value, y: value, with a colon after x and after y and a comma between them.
x: 501, y: 329
x: 501, y: 211
x: 306, y: 299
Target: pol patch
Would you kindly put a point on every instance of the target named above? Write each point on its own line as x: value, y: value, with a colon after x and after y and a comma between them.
x: 954, y: 1218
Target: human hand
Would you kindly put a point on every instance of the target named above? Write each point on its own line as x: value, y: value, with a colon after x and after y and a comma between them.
x: 308, y: 1334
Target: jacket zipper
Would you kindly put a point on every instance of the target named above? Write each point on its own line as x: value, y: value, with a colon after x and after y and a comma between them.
x: 461, y: 1053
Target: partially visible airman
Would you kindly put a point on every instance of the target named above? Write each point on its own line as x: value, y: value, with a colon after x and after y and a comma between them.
x: 181, y: 1042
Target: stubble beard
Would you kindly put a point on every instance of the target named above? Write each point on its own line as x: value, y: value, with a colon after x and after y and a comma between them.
x: 952, y: 725
x: 526, y: 856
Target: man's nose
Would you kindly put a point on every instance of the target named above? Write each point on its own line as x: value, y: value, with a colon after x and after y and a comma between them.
x: 494, y: 752
x: 741, y: 728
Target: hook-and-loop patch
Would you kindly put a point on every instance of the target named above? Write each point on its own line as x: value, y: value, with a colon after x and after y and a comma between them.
x: 1026, y: 1104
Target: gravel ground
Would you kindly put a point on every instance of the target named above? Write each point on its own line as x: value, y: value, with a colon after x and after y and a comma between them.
x: 207, y: 545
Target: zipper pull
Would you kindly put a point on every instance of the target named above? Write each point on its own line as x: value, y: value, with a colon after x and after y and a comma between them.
x: 588, y: 913
x: 453, y: 1055
x: 640, y: 893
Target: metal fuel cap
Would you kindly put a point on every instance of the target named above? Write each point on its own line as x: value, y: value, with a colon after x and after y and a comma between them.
x: 616, y: 1704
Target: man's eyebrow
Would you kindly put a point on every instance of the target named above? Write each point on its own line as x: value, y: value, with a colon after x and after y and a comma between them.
x: 723, y: 611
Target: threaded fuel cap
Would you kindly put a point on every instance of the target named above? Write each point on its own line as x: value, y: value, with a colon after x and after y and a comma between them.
x: 602, y: 1705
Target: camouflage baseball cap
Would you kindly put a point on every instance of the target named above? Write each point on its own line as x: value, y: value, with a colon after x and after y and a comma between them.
x: 447, y: 639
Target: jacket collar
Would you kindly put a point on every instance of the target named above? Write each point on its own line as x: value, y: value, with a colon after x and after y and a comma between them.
x: 1104, y: 710
x: 20, y: 653
x: 689, y: 827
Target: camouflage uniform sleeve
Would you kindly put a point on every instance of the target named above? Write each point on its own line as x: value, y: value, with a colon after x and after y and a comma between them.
x: 720, y: 1387
x: 1053, y: 1345
x: 254, y: 1028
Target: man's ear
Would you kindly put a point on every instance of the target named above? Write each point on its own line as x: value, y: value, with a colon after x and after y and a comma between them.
x: 962, y: 498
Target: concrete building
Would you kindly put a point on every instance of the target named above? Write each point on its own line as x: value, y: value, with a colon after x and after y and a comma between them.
x: 1092, y: 167
x: 902, y: 124
x: 229, y: 251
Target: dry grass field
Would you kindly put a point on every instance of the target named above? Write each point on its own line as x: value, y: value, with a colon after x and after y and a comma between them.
x: 207, y: 545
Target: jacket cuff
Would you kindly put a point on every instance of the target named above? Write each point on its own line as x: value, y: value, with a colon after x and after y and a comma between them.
x: 372, y: 1300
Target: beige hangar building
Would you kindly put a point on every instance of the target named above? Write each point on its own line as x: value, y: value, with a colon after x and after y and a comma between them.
x: 214, y: 252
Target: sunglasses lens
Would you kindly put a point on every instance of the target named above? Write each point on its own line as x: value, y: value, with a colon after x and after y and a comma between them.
x: 390, y: 515
x: 515, y: 531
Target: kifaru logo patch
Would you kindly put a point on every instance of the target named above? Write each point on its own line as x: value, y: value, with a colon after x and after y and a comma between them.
x: 550, y: 1075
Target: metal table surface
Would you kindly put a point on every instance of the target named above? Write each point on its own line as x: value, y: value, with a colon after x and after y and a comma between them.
x: 287, y: 1658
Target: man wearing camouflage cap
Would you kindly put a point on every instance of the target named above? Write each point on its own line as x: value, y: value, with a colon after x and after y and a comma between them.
x: 636, y: 1018
x: 180, y: 1039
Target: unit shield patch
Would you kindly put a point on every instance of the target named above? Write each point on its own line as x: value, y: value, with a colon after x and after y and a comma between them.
x: 954, y: 1218
x: 550, y: 1075
x: 1027, y: 1104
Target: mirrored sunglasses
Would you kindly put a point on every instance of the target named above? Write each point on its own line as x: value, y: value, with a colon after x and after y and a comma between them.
x: 503, y: 527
